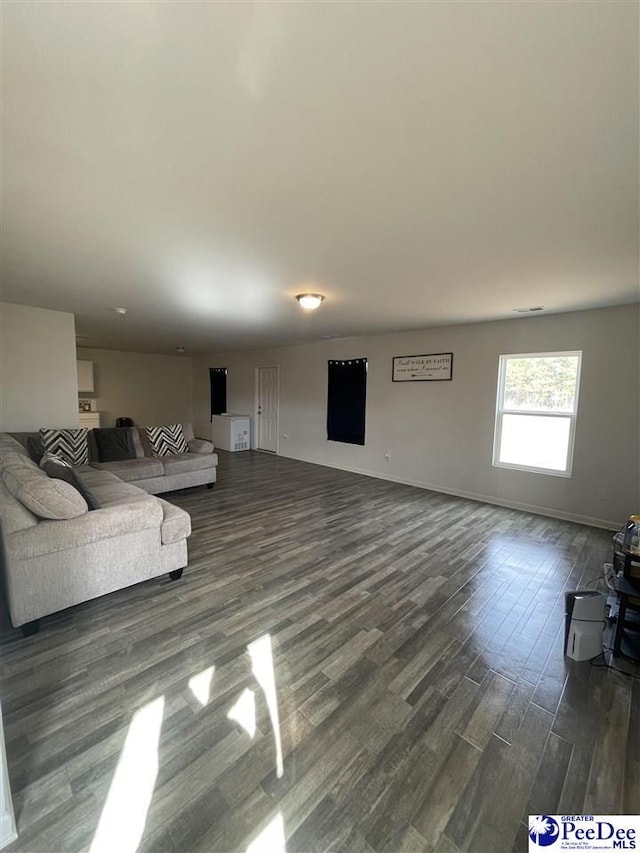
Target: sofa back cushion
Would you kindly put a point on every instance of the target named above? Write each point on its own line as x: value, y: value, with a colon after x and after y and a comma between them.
x: 29, y: 443
x: 167, y: 440
x: 69, y: 444
x: 15, y: 457
x: 139, y: 438
x: 14, y: 516
x: 11, y: 444
x: 114, y: 444
x: 44, y: 496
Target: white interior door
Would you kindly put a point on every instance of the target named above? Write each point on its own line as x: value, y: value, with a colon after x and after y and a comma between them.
x: 267, y: 409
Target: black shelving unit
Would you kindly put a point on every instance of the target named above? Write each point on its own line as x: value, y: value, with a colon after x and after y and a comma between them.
x: 626, y: 638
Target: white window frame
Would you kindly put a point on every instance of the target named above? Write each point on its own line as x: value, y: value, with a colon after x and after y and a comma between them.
x: 501, y: 410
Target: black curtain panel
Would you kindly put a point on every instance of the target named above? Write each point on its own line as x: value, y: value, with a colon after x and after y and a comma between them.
x: 218, y: 385
x: 346, y: 400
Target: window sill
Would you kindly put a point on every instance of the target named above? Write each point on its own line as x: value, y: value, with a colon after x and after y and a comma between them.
x: 548, y: 471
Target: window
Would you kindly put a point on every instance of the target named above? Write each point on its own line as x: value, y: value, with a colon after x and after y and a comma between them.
x: 536, y: 411
x: 218, y: 389
x: 346, y: 400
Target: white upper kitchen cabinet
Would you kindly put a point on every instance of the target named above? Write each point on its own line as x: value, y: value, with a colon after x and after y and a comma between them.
x: 85, y: 377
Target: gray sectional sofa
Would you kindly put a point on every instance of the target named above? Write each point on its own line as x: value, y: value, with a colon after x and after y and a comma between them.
x: 56, y: 553
x: 154, y: 474
x: 157, y: 474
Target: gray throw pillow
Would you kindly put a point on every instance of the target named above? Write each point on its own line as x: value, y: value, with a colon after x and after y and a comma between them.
x: 59, y: 469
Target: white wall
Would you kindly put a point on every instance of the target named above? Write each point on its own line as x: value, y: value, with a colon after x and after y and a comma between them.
x: 440, y: 434
x: 38, y: 379
x: 151, y: 389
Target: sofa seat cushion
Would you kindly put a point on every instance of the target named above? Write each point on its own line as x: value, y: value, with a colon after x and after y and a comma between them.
x: 176, y: 523
x: 96, y: 477
x: 185, y: 463
x: 44, y: 496
x: 131, y: 470
x: 110, y: 490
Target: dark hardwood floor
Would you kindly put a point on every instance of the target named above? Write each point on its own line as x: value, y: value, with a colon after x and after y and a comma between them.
x: 423, y: 702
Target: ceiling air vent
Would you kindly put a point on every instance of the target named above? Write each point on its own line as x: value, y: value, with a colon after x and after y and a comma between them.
x: 528, y: 310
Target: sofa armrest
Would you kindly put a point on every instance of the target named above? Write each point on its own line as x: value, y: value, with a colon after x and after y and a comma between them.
x: 200, y: 445
x: 48, y: 537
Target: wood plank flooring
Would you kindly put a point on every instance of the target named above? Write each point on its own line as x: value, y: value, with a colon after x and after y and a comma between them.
x: 415, y: 640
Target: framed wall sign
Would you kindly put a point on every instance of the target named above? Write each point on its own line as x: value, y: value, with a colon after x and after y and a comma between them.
x: 435, y: 367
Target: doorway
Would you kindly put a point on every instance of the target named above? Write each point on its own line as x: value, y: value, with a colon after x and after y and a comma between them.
x: 267, y: 380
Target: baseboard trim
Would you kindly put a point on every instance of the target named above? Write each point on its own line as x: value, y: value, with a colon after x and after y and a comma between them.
x: 588, y: 520
x: 7, y: 830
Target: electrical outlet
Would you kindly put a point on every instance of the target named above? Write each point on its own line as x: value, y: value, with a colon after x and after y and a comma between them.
x: 387, y: 455
x: 601, y: 494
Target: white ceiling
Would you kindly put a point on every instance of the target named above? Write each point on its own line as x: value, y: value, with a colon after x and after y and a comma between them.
x: 418, y: 163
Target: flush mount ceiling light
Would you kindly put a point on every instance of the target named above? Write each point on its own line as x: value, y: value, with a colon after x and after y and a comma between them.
x: 528, y: 310
x: 120, y: 310
x: 309, y: 301
x: 181, y: 349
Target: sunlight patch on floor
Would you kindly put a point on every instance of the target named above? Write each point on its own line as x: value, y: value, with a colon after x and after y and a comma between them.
x: 200, y: 685
x: 244, y: 712
x: 271, y: 839
x: 262, y: 666
x: 123, y: 817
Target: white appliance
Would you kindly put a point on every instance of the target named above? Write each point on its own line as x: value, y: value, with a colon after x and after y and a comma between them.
x: 231, y: 432
x: 584, y: 622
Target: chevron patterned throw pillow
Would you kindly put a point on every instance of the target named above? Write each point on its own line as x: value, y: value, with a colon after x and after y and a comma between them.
x: 69, y: 444
x: 167, y: 440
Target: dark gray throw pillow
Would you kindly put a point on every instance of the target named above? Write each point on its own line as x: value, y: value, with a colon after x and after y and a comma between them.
x: 59, y: 469
x: 114, y: 444
x: 35, y: 447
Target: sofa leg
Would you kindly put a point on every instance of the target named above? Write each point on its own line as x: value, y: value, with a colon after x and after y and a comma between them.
x: 176, y: 575
x: 210, y: 486
x: 30, y: 628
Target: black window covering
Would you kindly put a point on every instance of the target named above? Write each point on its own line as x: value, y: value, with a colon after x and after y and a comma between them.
x: 346, y: 400
x: 218, y: 385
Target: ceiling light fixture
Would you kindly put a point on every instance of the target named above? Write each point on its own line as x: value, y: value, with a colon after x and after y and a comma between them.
x: 181, y: 349
x: 309, y: 301
x: 120, y: 310
x: 528, y: 310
